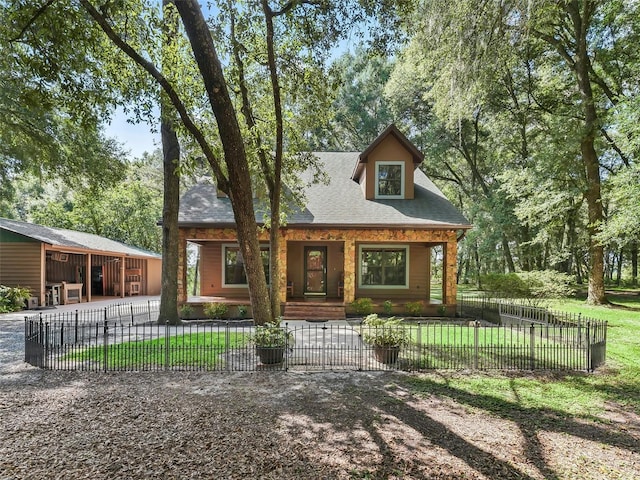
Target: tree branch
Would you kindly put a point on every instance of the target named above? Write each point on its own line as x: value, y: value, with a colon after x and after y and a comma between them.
x: 613, y: 145
x: 32, y: 20
x: 151, y: 69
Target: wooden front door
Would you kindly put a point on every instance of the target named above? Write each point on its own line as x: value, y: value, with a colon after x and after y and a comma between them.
x: 315, y: 271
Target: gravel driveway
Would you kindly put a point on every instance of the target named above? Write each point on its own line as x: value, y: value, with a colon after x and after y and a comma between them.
x: 276, y: 425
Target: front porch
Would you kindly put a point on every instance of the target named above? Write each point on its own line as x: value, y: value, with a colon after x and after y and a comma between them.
x: 322, y: 272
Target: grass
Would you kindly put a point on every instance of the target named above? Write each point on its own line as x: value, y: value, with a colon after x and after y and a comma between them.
x: 571, y: 394
x: 201, y: 349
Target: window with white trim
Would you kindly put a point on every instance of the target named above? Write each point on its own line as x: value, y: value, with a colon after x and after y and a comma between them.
x: 389, y: 180
x: 233, y: 273
x: 384, y: 266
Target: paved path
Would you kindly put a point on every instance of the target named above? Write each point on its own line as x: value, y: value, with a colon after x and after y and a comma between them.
x: 12, y: 328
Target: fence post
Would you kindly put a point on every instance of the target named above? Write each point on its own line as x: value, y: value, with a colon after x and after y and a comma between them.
x: 105, y: 339
x: 476, y: 347
x: 167, y: 350
x: 46, y: 345
x: 227, y: 346
x: 589, y: 366
x: 287, y: 347
x: 532, y: 347
x: 132, y: 321
x: 360, y: 348
x: 149, y: 310
x: 75, y: 340
x: 419, y: 343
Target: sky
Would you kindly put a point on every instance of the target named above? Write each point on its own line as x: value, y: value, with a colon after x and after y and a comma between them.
x: 136, y: 138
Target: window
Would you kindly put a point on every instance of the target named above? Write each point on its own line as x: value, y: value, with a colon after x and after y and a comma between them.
x: 389, y: 180
x: 382, y: 267
x: 233, y: 274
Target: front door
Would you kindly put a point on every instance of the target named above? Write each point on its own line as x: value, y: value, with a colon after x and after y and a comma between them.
x: 315, y: 270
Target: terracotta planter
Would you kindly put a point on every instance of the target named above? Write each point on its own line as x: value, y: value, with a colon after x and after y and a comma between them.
x: 386, y: 354
x: 270, y: 355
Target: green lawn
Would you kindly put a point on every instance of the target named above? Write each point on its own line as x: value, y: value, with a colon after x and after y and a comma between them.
x: 571, y: 394
x: 201, y: 349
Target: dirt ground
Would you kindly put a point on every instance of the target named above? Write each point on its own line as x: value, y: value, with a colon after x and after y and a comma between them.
x: 77, y: 425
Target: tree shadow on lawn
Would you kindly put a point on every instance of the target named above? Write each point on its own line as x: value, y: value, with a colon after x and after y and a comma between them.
x: 386, y: 415
x: 533, y: 420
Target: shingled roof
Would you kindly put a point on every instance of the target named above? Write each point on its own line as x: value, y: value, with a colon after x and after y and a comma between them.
x: 62, y: 238
x: 341, y: 203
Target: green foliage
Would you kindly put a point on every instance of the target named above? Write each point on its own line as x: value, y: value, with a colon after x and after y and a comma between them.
x: 533, y: 287
x: 362, y: 306
x: 386, y: 332
x: 12, y: 299
x: 186, y: 311
x: 215, y: 310
x: 272, y: 334
x: 242, y: 311
x: 414, y: 308
x: 387, y: 307
x: 127, y: 211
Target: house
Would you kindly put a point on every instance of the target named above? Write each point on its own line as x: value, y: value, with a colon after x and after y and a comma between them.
x: 64, y: 266
x: 368, y: 233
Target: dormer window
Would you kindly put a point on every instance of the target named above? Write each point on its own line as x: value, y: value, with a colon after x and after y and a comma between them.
x: 389, y: 180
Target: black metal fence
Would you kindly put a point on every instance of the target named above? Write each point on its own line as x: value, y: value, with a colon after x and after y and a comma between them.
x: 129, y: 341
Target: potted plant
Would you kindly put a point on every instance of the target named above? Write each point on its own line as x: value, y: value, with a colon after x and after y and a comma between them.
x: 271, y: 340
x: 386, y: 335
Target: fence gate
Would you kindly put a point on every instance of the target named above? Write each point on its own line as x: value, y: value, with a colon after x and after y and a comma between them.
x: 331, y: 347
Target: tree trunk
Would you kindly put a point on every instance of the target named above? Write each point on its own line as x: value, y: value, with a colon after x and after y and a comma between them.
x: 619, y: 267
x: 196, y: 274
x: 276, y: 183
x: 634, y: 264
x: 171, y: 200
x: 238, y: 184
x: 506, y: 250
x: 171, y: 204
x: 581, y: 21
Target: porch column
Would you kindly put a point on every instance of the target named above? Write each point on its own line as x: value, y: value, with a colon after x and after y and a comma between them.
x: 88, y: 278
x: 182, y: 267
x: 429, y: 273
x: 122, y: 268
x: 349, y: 270
x: 282, y: 259
x: 450, y: 265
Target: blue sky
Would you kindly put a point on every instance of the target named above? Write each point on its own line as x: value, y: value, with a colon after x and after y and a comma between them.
x: 136, y: 138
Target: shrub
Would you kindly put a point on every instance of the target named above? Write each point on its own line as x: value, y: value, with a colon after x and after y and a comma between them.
x: 442, y: 310
x: 215, y: 310
x: 387, y: 306
x: 504, y: 285
x: 12, y: 299
x: 385, y: 332
x: 242, y: 311
x: 362, y: 306
x: 186, y: 311
x: 414, y: 308
x: 532, y: 287
x: 272, y: 335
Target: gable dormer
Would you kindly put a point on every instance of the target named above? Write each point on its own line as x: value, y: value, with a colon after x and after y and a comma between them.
x: 385, y: 169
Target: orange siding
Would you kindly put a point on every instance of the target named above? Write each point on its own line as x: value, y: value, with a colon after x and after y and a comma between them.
x: 20, y: 266
x: 390, y: 149
x: 211, y: 272
x: 154, y: 277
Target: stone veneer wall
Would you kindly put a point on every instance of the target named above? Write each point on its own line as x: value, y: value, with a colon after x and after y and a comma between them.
x: 349, y: 236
